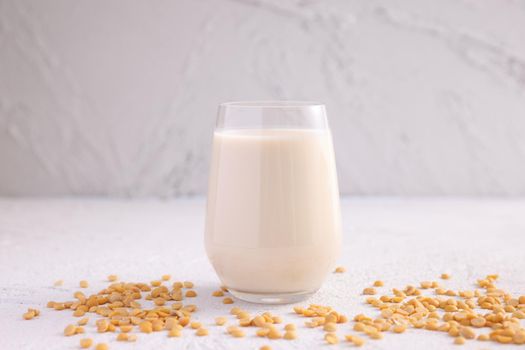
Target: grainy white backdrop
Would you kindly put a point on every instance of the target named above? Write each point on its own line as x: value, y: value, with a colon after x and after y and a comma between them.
x: 119, y: 97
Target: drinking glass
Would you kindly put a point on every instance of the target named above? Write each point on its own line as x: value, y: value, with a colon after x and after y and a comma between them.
x: 273, y: 227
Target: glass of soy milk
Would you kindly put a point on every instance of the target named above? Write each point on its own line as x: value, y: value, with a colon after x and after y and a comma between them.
x: 273, y: 226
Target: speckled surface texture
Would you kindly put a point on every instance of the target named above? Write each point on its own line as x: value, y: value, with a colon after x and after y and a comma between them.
x: 119, y: 98
x: 397, y: 240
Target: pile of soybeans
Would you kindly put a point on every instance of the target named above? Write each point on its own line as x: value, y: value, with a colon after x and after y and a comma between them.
x: 485, y: 313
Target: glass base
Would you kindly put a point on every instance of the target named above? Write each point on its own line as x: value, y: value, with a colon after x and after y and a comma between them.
x: 271, y: 298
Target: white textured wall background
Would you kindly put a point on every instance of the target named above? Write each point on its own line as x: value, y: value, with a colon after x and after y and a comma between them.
x: 119, y: 97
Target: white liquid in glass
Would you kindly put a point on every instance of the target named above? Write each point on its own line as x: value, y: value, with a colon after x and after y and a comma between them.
x: 273, y: 217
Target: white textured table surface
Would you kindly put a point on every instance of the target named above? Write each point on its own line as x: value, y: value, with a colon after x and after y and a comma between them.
x: 399, y: 241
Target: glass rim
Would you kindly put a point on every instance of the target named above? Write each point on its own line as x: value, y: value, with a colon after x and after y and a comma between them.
x: 272, y: 104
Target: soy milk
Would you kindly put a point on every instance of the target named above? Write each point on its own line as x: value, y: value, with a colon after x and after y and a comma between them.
x: 273, y: 217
